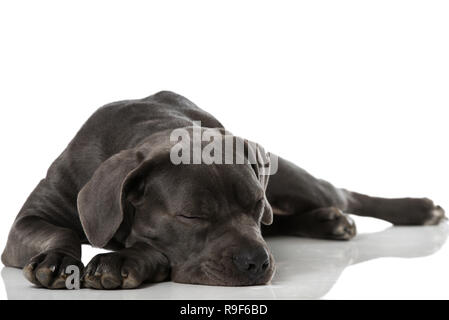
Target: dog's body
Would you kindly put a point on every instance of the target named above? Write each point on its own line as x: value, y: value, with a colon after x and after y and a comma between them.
x: 115, y: 187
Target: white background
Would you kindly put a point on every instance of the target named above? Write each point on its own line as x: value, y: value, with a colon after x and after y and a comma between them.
x: 356, y: 92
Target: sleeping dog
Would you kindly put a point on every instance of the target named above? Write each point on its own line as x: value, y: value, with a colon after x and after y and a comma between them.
x: 117, y: 187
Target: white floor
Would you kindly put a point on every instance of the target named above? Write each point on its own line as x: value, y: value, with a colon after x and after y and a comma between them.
x: 382, y: 262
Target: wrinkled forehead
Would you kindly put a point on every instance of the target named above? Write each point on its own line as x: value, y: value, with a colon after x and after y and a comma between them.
x: 208, y: 186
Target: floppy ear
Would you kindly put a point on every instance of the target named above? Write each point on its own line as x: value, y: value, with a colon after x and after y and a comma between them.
x: 102, y: 201
x: 260, y: 162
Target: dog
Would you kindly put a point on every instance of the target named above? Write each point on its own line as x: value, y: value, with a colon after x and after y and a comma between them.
x: 115, y: 186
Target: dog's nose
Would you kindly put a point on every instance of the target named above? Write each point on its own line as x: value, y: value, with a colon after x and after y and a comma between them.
x: 254, y: 262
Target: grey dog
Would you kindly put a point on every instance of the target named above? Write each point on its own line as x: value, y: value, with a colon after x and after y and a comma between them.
x: 115, y: 187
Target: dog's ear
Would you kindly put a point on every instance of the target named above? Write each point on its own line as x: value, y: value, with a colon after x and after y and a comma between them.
x: 260, y: 162
x: 103, y: 200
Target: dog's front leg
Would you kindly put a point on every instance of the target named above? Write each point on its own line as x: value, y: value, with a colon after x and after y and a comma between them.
x: 127, y: 268
x: 43, y: 250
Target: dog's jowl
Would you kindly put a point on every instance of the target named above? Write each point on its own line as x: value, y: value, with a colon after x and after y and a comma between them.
x: 115, y: 186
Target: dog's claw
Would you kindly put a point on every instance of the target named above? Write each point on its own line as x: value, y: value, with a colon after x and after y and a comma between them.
x: 111, y: 271
x: 43, y: 269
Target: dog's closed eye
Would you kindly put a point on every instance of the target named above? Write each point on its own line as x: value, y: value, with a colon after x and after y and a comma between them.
x: 190, y: 217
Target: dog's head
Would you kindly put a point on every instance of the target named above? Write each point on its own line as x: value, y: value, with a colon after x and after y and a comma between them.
x: 205, y: 218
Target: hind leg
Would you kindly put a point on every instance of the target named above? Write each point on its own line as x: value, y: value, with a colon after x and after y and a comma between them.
x: 405, y: 211
x: 311, y: 207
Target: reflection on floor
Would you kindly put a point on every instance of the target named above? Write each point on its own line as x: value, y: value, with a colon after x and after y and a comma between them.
x: 306, y: 268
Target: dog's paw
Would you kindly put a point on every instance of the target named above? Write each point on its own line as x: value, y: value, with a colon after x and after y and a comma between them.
x: 48, y: 269
x: 417, y: 211
x: 330, y: 223
x: 114, y: 270
x: 435, y: 215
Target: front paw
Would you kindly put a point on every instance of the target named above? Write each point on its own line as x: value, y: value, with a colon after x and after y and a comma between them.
x: 114, y: 270
x: 48, y: 269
